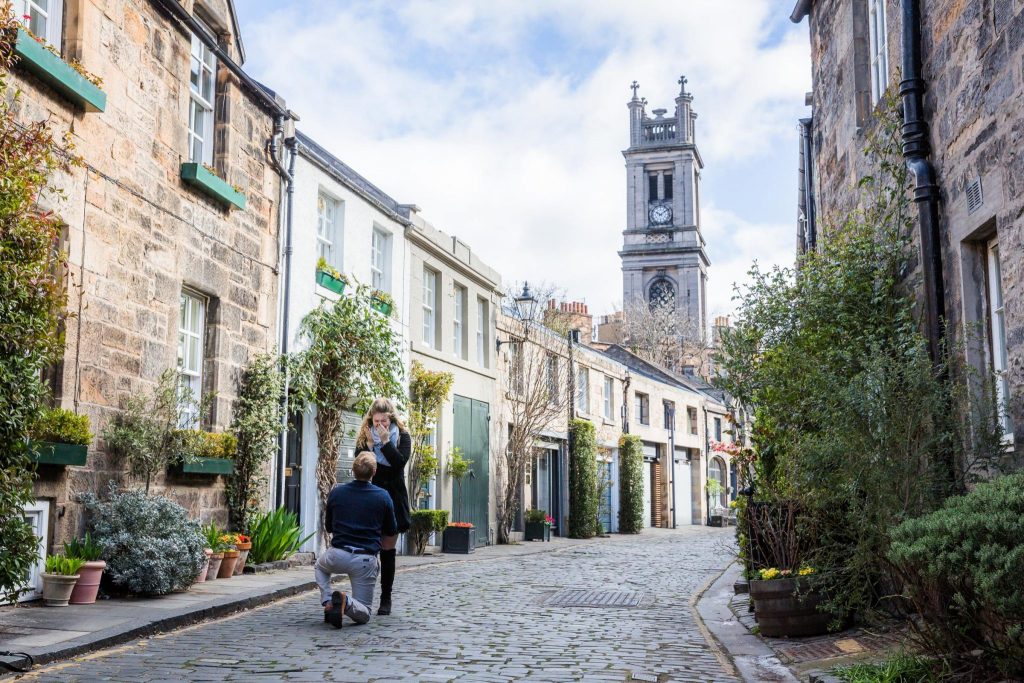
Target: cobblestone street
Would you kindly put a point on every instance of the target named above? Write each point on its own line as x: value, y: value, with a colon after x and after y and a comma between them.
x: 479, y: 620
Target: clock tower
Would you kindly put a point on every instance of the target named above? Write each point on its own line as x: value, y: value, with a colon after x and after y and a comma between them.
x: 664, y: 262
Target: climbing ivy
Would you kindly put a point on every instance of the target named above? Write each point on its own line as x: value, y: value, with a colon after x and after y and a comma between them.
x: 582, y: 479
x: 631, y: 485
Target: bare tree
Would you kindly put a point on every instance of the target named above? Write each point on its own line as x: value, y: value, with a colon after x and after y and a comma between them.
x: 668, y: 337
x: 536, y: 398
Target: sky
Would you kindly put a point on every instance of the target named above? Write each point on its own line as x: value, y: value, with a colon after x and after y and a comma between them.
x: 505, y: 120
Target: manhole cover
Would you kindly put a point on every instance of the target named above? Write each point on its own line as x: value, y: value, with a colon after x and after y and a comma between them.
x: 578, y: 597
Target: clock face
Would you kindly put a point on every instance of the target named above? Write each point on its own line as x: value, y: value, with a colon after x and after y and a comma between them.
x: 661, y: 214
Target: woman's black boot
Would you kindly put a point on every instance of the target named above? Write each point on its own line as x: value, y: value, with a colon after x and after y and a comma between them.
x: 387, y: 580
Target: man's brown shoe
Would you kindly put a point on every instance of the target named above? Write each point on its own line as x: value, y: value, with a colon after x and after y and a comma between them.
x: 336, y: 611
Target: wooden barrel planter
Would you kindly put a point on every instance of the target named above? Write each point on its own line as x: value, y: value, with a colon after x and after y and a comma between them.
x: 781, y: 613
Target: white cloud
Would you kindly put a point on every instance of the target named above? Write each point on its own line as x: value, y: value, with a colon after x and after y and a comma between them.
x: 505, y: 120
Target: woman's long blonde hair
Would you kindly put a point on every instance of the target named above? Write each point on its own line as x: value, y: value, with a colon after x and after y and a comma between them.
x: 380, y: 405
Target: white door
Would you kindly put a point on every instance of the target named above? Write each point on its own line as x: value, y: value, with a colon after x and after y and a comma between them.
x: 682, y: 501
x: 38, y: 516
x: 650, y: 453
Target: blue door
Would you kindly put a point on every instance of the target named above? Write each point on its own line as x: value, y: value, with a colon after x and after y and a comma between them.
x: 471, y: 435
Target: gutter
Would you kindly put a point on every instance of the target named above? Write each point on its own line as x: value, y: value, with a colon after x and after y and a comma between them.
x: 189, y: 23
x: 801, y: 10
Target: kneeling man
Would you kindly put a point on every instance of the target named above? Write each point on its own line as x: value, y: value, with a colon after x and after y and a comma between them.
x: 357, y: 515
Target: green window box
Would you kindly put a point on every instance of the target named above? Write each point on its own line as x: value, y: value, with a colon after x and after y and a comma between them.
x: 211, y: 184
x: 380, y: 306
x: 58, y: 74
x: 328, y: 281
x: 49, y: 453
x: 212, y: 466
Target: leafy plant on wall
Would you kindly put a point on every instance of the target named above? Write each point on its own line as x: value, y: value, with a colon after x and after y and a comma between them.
x: 631, y: 485
x: 351, y: 356
x: 582, y: 479
x: 428, y: 391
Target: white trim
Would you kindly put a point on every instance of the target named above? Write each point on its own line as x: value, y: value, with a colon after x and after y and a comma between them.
x: 608, y: 397
x: 191, y: 340
x: 481, y: 336
x: 46, y: 22
x: 997, y: 336
x: 329, y: 236
x: 460, y: 294
x: 879, y: 43
x: 583, y: 390
x: 37, y: 514
x: 429, y: 312
x: 380, y: 260
x: 202, y: 87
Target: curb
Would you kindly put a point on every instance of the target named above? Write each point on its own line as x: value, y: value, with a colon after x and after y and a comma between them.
x: 721, y: 654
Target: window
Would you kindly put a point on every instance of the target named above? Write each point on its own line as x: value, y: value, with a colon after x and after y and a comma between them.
x: 202, y: 81
x: 458, y: 322
x: 328, y: 236
x: 667, y: 193
x: 481, y: 333
x: 652, y: 186
x: 997, y: 336
x: 583, y: 390
x: 191, y: 333
x: 552, y: 378
x: 42, y: 18
x: 380, y: 261
x: 643, y: 409
x: 609, y: 399
x: 879, y: 49
x: 429, y: 308
x: 669, y: 415
x: 718, y: 429
x: 716, y: 472
x: 516, y: 367
x: 691, y: 418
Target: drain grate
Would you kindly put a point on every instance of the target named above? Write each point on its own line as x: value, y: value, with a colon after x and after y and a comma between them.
x: 582, y: 597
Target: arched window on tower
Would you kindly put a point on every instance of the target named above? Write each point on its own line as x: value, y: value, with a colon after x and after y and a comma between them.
x: 662, y: 294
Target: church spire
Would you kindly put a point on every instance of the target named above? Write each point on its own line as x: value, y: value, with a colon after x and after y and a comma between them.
x: 636, y: 115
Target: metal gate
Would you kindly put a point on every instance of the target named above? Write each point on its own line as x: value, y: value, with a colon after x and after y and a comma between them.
x: 471, y: 434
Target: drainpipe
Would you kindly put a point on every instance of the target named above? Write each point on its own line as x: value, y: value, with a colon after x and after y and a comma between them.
x: 672, y: 458
x: 916, y: 150
x: 707, y: 469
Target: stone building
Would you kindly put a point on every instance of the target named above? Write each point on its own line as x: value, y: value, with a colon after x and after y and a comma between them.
x: 664, y: 262
x: 956, y: 66
x: 171, y: 264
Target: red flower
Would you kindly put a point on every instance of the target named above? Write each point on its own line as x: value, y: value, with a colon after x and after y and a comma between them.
x: 461, y: 525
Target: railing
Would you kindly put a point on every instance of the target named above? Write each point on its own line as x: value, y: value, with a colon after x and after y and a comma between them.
x: 658, y: 131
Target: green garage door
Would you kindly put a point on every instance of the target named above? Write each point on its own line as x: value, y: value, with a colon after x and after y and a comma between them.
x: 471, y: 435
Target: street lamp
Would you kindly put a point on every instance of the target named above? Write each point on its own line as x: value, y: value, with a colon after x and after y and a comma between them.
x: 525, y: 303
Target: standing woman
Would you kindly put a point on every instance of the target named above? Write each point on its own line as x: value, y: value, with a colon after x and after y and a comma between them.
x: 384, y: 434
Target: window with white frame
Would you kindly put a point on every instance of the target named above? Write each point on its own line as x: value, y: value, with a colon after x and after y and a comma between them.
x: 481, y: 333
x: 609, y: 398
x: 552, y: 378
x: 643, y: 408
x: 997, y: 336
x: 328, y: 233
x: 191, y: 335
x: 202, y: 87
x: 459, y: 321
x: 516, y: 383
x: 42, y: 18
x: 429, y: 308
x: 583, y: 390
x: 879, y: 44
x: 691, y: 418
x: 380, y: 260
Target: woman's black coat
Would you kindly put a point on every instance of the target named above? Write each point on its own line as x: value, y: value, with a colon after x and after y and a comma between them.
x: 392, y: 478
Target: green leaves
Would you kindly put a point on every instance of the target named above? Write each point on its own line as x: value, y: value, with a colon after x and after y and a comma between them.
x: 276, y: 535
x: 428, y: 391
x: 631, y: 486
x: 582, y: 479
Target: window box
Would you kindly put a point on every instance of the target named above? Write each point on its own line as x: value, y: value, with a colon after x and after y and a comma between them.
x: 49, y: 453
x: 458, y: 539
x: 328, y: 281
x: 384, y: 307
x: 211, y: 466
x: 58, y: 74
x: 211, y: 184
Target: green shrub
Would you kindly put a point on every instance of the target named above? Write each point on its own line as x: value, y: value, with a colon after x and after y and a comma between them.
x: 535, y: 516
x: 582, y: 479
x: 58, y: 425
x: 213, y: 535
x: 149, y: 543
x: 900, y: 668
x: 275, y: 536
x: 631, y: 484
x: 962, y: 568
x: 195, y: 443
x: 424, y: 523
x: 63, y: 565
x: 85, y: 549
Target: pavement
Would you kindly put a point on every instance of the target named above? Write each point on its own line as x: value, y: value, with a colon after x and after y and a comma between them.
x: 607, y: 609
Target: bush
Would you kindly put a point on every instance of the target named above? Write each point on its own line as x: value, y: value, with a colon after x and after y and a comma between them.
x: 195, y: 443
x: 962, y: 568
x: 900, y: 668
x: 275, y: 535
x: 62, y: 426
x: 424, y: 523
x: 631, y: 484
x: 582, y: 479
x: 536, y: 516
x: 150, y: 545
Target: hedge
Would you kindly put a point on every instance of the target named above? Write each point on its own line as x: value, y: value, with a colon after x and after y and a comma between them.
x: 424, y: 523
x: 631, y: 484
x: 582, y: 479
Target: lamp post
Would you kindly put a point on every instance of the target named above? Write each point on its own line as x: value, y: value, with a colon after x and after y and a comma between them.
x: 524, y: 307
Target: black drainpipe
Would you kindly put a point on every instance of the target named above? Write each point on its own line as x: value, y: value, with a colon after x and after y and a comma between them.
x: 916, y: 150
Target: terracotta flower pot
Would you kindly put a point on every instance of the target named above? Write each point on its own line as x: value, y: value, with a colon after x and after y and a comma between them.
x: 57, y: 589
x: 201, y: 576
x: 216, y: 559
x: 227, y: 567
x: 88, y: 583
x: 243, y: 555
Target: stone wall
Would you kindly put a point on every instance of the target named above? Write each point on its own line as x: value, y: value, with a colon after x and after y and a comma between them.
x: 972, y: 52
x: 137, y: 235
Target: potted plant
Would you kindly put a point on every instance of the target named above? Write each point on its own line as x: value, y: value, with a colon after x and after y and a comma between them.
x: 382, y: 301
x: 244, y: 544
x: 786, y: 603
x: 227, y: 566
x: 216, y: 546
x: 716, y: 515
x: 60, y: 437
x: 538, y: 525
x: 201, y: 576
x: 59, y: 579
x: 425, y: 523
x: 328, y: 277
x: 201, y: 452
x: 458, y: 537
x: 90, y: 572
